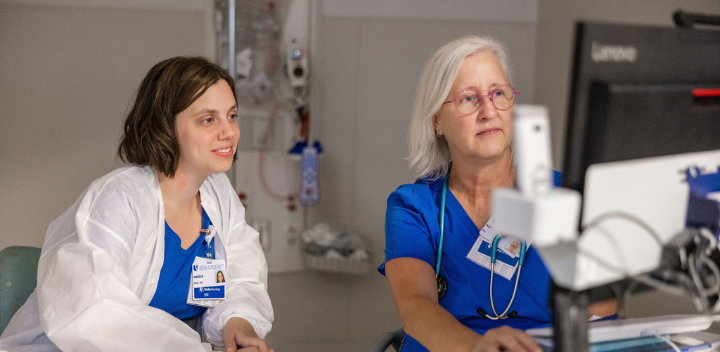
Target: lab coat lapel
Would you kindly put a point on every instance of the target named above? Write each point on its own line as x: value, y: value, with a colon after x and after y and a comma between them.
x: 208, y: 200
x: 149, y: 285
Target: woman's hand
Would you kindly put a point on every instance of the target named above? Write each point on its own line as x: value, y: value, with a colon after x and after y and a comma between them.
x: 506, y: 338
x: 239, y: 333
x: 603, y: 308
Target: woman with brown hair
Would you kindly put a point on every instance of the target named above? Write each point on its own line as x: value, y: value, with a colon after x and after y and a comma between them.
x: 119, y: 268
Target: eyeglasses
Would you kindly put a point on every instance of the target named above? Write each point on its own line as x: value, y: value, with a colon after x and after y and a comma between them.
x: 468, y: 101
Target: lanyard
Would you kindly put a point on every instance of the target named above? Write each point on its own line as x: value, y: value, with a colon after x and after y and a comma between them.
x: 209, y: 231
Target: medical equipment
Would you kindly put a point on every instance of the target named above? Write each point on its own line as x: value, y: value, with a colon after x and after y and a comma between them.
x: 291, y: 83
x: 297, y: 65
x: 442, y: 282
x: 309, y: 193
x: 639, y: 121
x: 267, y: 46
x: 532, y: 151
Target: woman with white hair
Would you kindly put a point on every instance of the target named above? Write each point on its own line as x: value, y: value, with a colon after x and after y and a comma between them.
x: 439, y: 237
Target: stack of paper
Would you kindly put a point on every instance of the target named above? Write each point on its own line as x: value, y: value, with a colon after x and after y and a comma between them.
x: 644, y: 334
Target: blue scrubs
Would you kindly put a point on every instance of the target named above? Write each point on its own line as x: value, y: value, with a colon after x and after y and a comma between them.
x: 412, y: 230
x: 174, y: 283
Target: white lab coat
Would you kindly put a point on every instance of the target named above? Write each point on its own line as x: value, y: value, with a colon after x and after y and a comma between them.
x: 101, y: 262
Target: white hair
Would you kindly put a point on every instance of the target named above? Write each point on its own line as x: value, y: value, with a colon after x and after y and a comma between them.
x: 429, y: 153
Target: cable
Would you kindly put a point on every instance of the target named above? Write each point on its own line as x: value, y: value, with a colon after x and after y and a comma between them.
x: 710, y: 237
x: 714, y: 268
x: 602, y: 262
x: 659, y: 285
x: 702, y: 290
x: 696, y: 263
x: 628, y: 217
x: 261, y: 159
x: 625, y: 216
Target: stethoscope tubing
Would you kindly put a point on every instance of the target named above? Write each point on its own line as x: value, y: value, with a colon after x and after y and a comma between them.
x: 493, y: 257
x: 442, y: 226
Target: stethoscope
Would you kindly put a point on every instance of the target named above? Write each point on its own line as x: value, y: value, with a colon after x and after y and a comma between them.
x: 442, y: 283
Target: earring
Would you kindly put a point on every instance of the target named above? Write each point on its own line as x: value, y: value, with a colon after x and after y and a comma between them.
x: 437, y: 134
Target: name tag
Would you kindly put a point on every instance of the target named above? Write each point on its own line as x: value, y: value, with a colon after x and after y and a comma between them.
x: 207, y: 282
x: 506, y: 260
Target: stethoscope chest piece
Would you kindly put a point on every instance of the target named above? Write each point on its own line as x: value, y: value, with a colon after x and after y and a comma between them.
x: 442, y: 286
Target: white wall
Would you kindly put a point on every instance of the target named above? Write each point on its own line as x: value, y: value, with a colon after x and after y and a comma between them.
x: 67, y: 77
x: 369, y: 67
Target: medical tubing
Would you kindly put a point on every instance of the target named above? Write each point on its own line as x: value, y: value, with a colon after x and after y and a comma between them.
x: 493, y: 258
x: 261, y: 158
x: 492, y: 302
x: 493, y: 253
x: 442, y: 226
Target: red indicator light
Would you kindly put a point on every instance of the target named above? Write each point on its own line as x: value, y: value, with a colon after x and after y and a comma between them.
x: 706, y: 92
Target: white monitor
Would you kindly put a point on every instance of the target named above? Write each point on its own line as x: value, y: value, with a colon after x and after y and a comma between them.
x: 653, y: 191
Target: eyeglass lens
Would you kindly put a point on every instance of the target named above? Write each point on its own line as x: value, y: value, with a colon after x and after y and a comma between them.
x: 468, y: 102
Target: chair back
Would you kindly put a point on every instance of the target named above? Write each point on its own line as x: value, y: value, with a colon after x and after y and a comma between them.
x: 18, y: 278
x: 393, y: 338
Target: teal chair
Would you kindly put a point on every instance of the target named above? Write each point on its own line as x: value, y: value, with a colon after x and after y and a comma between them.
x: 18, y: 278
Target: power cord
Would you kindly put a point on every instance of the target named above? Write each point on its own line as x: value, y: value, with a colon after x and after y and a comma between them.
x: 697, y: 262
x: 629, y: 217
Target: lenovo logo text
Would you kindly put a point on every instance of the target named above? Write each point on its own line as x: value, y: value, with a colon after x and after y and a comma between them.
x: 613, y: 53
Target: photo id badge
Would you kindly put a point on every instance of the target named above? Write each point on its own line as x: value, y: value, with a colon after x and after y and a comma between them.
x: 208, y: 281
x: 506, y: 261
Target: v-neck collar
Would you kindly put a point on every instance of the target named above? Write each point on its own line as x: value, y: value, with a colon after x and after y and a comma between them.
x: 460, y: 214
x: 454, y: 205
x: 175, y: 238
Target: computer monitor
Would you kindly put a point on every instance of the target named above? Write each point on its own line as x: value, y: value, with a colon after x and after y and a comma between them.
x: 640, y: 92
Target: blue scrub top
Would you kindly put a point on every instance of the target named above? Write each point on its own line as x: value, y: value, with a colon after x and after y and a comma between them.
x: 174, y: 284
x: 412, y: 230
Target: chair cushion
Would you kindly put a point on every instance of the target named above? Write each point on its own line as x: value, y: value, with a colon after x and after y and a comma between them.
x: 18, y: 278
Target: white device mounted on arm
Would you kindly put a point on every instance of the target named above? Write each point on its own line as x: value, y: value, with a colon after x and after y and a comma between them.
x: 535, y: 211
x: 531, y: 148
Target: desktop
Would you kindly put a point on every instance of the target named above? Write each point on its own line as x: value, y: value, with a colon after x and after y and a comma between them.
x: 643, y: 122
x: 644, y: 114
x: 640, y: 92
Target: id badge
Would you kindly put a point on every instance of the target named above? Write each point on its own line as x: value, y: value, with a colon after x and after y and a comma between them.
x: 505, y: 265
x: 207, y: 287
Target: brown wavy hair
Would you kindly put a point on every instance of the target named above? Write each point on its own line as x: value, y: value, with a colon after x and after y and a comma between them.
x: 171, y: 86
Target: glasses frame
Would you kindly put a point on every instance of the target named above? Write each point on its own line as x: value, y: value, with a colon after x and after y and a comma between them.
x: 489, y: 94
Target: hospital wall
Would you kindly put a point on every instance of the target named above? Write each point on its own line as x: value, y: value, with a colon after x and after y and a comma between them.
x: 67, y: 77
x: 369, y: 68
